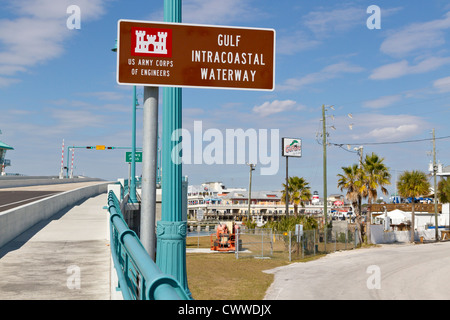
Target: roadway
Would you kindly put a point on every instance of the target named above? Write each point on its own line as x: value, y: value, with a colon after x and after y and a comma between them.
x: 17, y: 196
x: 387, y: 272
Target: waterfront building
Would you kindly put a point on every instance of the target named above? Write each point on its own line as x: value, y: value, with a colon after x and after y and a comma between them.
x: 216, y: 202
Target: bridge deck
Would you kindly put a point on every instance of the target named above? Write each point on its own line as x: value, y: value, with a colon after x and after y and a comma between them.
x: 65, y: 257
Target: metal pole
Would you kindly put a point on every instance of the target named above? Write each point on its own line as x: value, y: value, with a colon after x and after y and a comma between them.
x: 290, y: 243
x: 71, y: 165
x: 252, y: 166
x: 237, y: 243
x: 325, y: 196
x: 67, y: 167
x: 149, y: 154
x: 286, y: 188
x: 61, y: 173
x: 435, y: 190
x: 133, y: 198
x: 172, y: 229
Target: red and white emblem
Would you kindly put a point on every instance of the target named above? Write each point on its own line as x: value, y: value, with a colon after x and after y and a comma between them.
x: 151, y: 42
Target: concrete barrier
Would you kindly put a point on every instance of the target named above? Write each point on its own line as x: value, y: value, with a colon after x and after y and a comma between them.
x: 379, y: 236
x: 11, y: 182
x: 17, y: 220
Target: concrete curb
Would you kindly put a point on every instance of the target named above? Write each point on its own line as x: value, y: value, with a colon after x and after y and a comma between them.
x: 17, y: 220
x: 36, y: 181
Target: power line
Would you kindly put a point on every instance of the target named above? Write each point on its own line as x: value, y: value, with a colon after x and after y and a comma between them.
x: 388, y: 142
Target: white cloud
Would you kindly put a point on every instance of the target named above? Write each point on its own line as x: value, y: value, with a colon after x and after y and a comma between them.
x: 295, y: 42
x: 402, y: 68
x: 276, y: 106
x: 4, y: 82
x: 38, y: 32
x: 396, y: 132
x: 417, y: 36
x: 382, y: 102
x: 381, y: 127
x: 443, y: 84
x: 325, y: 21
x: 329, y: 72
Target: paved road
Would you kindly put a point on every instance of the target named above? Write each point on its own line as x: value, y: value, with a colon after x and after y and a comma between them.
x: 12, y: 199
x: 17, y: 196
x: 388, y: 272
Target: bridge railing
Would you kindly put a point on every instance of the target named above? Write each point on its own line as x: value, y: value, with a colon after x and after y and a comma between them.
x: 138, y: 275
x: 125, y: 186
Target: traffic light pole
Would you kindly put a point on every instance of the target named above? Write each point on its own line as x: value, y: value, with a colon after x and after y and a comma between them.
x: 90, y: 147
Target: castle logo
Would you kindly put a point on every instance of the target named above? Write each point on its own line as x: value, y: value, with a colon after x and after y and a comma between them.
x: 151, y: 42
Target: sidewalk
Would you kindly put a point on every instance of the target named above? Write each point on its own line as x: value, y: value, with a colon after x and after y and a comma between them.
x: 64, y: 258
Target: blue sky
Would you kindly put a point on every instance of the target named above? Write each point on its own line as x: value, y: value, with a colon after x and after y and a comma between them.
x: 57, y: 84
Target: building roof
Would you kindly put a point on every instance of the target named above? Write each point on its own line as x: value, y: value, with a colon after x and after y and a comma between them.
x: 5, y: 146
x: 260, y: 195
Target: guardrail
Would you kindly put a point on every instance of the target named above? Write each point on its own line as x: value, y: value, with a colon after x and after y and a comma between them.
x: 138, y: 275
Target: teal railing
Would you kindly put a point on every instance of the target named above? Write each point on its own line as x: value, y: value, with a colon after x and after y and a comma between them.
x: 138, y: 275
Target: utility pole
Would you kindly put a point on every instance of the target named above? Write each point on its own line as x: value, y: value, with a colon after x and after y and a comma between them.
x: 435, y: 191
x: 252, y: 167
x: 360, y: 153
x: 325, y: 196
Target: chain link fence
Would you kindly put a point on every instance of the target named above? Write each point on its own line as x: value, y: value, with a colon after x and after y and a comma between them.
x: 262, y: 243
x: 267, y: 244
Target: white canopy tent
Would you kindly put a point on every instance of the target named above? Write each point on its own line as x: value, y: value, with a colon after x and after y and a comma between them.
x: 396, y: 217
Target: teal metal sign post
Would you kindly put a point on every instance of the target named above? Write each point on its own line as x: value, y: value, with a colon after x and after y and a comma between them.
x: 171, y: 229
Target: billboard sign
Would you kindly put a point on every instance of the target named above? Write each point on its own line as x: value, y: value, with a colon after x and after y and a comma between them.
x: 291, y: 147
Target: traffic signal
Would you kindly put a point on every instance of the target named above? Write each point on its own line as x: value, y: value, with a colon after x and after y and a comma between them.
x: 89, y: 147
x: 110, y: 148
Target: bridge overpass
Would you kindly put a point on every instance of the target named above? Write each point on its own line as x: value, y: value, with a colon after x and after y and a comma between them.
x: 56, y: 242
x: 68, y: 243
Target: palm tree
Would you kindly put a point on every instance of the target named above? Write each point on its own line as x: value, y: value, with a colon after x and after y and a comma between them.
x: 376, y: 176
x: 444, y: 190
x: 298, y: 192
x: 351, y: 180
x: 413, y: 184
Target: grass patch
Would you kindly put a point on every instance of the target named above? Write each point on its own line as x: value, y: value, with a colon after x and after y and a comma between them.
x: 220, y: 276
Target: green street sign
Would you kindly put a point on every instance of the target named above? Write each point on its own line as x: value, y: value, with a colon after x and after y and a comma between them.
x: 137, y: 158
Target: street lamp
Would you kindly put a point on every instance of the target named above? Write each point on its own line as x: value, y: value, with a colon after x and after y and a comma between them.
x: 132, y: 198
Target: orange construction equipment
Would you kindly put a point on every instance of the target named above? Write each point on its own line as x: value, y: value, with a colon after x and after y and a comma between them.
x: 225, y: 239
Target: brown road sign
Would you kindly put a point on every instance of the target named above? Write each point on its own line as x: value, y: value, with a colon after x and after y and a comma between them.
x: 186, y: 55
